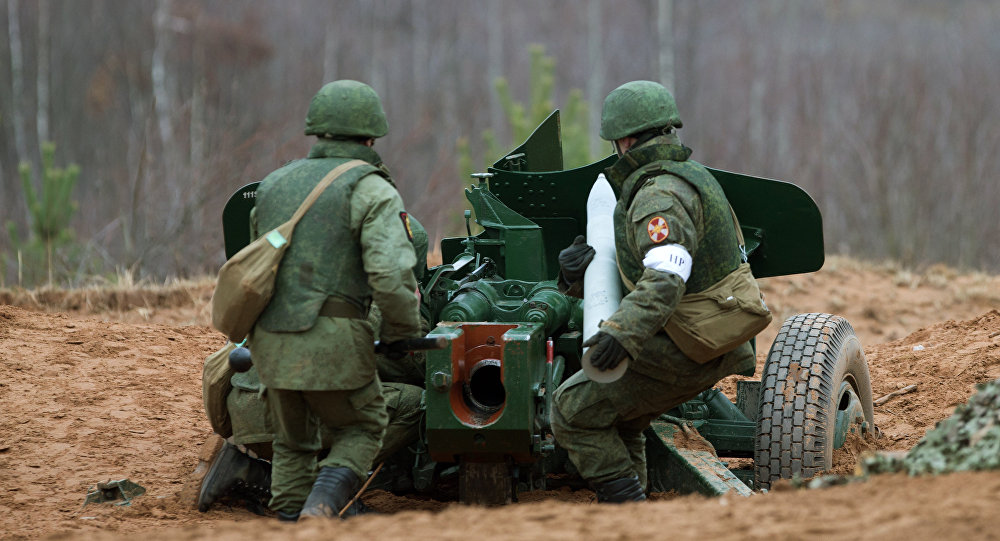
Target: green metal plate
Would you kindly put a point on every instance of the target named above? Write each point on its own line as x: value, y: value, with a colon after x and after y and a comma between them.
x: 782, y: 217
x: 676, y: 464
x: 541, y: 151
x: 555, y: 200
x: 730, y: 438
x: 781, y: 223
x: 236, y: 218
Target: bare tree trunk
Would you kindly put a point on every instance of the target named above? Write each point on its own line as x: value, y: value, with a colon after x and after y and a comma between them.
x: 133, y: 230
x: 420, y: 48
x: 42, y: 85
x: 17, y: 80
x: 375, y: 77
x: 665, y: 31
x: 164, y: 217
x: 330, y: 53
x: 758, y: 85
x: 48, y: 258
x: 494, y: 51
x: 595, y: 79
x: 198, y: 127
x: 159, y: 73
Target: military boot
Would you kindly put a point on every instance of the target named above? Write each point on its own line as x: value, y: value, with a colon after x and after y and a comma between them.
x: 234, y: 473
x: 334, y: 487
x: 626, y: 489
x: 256, y: 488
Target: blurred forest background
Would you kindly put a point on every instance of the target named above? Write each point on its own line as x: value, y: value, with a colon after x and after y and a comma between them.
x: 125, y: 125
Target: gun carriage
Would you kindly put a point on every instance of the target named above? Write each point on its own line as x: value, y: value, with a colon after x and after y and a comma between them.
x: 513, y: 338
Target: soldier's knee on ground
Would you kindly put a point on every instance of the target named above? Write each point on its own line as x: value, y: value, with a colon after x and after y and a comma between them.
x: 247, y: 409
x: 402, y: 401
x: 403, y: 406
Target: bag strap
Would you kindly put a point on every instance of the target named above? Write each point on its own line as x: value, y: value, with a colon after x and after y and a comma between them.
x: 629, y: 284
x: 323, y: 184
x: 739, y: 235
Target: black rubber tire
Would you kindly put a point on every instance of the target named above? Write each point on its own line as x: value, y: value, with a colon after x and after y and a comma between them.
x: 810, y: 358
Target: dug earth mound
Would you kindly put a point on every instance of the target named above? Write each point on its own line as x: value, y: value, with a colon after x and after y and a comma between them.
x: 94, y: 390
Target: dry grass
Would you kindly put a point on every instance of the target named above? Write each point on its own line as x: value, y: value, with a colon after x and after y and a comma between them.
x: 125, y: 295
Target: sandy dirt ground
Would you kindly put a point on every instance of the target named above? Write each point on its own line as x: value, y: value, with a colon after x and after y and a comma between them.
x: 104, y: 384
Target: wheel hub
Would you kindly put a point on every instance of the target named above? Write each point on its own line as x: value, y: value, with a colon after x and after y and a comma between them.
x: 850, y: 415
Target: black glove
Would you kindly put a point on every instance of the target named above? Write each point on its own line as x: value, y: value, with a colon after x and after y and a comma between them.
x: 608, y: 353
x: 574, y: 259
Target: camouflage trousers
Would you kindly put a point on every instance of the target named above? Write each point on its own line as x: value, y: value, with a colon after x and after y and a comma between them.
x: 356, y: 420
x: 253, y: 429
x: 601, y: 424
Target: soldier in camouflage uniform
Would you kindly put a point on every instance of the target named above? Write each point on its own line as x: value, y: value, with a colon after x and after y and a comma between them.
x: 247, y: 476
x: 674, y: 235
x: 312, y: 345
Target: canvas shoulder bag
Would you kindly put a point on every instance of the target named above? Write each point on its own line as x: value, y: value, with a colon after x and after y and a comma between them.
x: 246, y: 282
x: 715, y: 321
x: 216, y: 378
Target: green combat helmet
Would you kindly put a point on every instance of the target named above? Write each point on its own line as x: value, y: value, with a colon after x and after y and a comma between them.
x: 346, y: 108
x: 635, y: 107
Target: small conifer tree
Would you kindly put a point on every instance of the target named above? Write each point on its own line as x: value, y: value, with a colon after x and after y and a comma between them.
x: 523, y: 118
x: 51, y: 206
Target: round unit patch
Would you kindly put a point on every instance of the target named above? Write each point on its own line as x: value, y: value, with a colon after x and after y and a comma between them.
x: 406, y: 225
x: 658, y: 229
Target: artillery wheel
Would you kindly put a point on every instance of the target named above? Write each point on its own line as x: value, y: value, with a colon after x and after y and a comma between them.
x: 815, y: 386
x: 485, y: 483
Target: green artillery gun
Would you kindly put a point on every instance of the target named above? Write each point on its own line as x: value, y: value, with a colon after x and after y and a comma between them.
x: 513, y: 338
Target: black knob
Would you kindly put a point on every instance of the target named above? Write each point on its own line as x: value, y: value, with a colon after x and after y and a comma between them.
x: 239, y: 359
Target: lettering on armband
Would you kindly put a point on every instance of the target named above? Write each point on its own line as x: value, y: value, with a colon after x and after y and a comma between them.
x: 672, y: 258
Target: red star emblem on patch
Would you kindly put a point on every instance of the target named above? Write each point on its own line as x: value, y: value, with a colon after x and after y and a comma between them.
x: 658, y: 229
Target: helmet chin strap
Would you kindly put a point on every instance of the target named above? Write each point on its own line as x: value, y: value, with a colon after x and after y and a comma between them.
x: 618, y: 149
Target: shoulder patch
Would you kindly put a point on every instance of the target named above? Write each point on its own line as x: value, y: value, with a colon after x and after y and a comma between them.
x: 658, y: 229
x: 406, y: 225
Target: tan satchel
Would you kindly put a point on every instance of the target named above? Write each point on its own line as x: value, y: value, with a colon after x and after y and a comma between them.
x: 715, y: 321
x: 216, y: 383
x: 246, y: 282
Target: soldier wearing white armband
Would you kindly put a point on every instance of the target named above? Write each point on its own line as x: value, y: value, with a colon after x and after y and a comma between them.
x: 675, y: 235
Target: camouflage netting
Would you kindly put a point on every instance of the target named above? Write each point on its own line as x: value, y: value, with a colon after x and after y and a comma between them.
x: 968, y: 440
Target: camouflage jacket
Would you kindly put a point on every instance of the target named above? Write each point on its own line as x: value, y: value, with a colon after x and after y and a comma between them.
x: 665, y: 198
x: 353, y: 245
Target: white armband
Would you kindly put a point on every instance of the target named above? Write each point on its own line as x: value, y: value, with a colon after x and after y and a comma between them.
x: 670, y: 258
